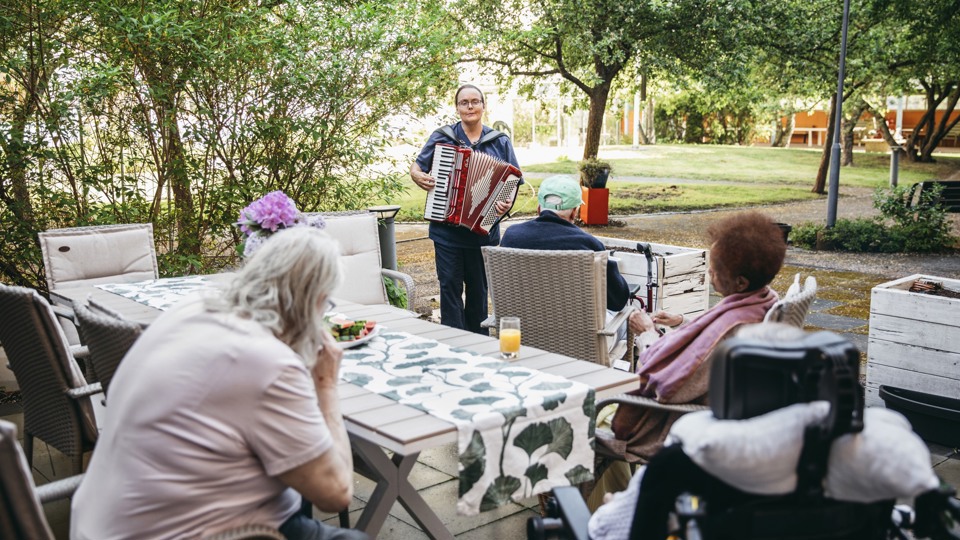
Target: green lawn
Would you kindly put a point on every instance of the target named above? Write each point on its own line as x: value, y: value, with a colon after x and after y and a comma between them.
x: 757, y: 165
x: 725, y: 176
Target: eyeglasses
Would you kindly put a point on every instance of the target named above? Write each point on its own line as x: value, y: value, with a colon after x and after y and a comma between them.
x: 328, y: 306
x: 463, y: 104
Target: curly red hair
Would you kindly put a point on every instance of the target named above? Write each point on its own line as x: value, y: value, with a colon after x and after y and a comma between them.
x: 748, y: 244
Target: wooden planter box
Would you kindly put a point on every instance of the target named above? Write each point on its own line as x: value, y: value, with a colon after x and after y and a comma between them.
x: 914, y: 340
x: 681, y: 274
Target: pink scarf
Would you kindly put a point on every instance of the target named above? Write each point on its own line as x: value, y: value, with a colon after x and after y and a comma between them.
x: 669, y: 362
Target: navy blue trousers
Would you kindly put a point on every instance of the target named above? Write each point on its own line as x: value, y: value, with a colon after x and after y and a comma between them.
x: 302, y: 526
x: 459, y: 270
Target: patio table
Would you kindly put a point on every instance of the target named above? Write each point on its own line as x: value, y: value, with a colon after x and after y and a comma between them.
x: 379, y: 426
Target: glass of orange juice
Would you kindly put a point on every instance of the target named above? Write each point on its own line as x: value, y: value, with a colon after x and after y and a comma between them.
x: 509, y: 337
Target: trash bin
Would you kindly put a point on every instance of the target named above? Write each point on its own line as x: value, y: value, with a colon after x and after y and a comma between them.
x: 785, y: 229
x: 934, y: 418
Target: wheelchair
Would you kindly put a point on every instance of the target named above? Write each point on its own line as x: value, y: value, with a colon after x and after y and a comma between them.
x: 680, y: 500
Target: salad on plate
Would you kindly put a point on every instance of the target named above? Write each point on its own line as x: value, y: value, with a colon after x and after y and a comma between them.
x: 347, y: 331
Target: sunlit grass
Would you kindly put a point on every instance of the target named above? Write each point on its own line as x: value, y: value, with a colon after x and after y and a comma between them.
x: 635, y: 198
x: 757, y: 165
x: 723, y: 176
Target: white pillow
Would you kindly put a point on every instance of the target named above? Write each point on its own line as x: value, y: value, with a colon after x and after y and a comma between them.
x: 885, y: 461
x: 757, y: 455
x: 613, y: 520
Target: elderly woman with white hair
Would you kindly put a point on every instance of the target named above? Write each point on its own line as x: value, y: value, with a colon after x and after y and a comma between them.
x: 226, y: 408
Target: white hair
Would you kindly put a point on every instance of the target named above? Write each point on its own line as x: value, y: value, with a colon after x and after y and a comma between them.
x: 281, y: 285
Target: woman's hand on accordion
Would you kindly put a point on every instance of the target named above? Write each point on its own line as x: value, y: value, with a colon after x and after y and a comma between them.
x: 502, y: 207
x: 420, y: 178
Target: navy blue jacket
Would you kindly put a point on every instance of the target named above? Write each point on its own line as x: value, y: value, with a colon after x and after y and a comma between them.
x: 452, y: 235
x: 550, y: 231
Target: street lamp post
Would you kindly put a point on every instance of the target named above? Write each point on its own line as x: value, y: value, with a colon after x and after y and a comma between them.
x: 838, y: 116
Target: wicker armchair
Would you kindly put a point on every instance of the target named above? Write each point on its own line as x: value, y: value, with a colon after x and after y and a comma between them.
x: 56, y: 397
x: 360, y: 255
x: 21, y: 513
x: 108, y: 338
x: 793, y: 307
x: 560, y: 297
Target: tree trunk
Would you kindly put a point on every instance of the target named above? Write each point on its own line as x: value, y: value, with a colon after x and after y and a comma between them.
x: 820, y: 186
x: 776, y: 140
x: 937, y: 130
x: 188, y: 241
x: 791, y: 124
x: 598, y: 104
x: 849, y: 124
x: 17, y: 160
x: 885, y: 130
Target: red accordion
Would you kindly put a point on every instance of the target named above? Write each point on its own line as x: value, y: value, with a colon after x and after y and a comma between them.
x: 468, y: 184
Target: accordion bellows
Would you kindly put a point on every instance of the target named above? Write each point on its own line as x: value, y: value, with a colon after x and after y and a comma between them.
x: 468, y: 184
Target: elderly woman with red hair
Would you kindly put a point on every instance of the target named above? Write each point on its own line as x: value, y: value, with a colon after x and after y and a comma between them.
x: 746, y: 253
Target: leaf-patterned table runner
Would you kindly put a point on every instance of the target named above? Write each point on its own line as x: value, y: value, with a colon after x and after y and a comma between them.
x: 520, y: 431
x: 163, y: 293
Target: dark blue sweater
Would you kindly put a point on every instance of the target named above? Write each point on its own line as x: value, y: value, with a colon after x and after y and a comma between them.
x: 550, y: 231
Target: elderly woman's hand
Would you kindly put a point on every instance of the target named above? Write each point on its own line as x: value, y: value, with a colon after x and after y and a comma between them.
x: 326, y: 372
x: 667, y: 319
x: 640, y: 322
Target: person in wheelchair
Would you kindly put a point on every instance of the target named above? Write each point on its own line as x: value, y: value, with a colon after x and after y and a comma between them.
x: 746, y: 252
x: 786, y: 451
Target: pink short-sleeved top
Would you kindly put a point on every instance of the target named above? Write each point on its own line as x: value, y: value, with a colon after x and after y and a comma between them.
x: 205, y: 411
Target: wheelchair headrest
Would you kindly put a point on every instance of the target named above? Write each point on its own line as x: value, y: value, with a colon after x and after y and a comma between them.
x: 751, y: 376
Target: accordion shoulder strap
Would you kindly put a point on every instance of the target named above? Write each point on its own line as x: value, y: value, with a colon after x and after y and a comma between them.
x: 492, y: 135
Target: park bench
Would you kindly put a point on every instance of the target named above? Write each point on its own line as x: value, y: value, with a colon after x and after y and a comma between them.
x: 949, y: 198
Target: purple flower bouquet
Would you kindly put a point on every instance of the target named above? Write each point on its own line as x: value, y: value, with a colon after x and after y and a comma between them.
x: 269, y: 214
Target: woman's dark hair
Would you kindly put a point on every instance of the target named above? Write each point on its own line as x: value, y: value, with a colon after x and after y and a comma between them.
x: 747, y: 244
x: 456, y: 97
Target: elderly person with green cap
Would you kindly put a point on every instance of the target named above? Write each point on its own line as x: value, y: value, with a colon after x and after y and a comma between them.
x: 554, y: 229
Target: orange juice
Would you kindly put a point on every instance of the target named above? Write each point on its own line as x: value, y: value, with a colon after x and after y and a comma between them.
x: 509, y: 342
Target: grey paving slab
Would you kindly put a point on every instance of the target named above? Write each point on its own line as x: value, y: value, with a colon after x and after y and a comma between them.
x: 860, y: 340
x: 442, y: 499
x: 510, y: 527
x: 949, y: 471
x: 393, y: 528
x: 819, y: 304
x: 443, y: 458
x: 836, y: 323
x: 941, y: 452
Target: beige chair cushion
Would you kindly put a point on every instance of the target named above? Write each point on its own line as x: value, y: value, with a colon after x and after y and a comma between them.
x: 94, y: 255
x: 360, y: 257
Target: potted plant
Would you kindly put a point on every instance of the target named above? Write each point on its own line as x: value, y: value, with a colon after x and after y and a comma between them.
x: 594, y: 173
x: 596, y: 197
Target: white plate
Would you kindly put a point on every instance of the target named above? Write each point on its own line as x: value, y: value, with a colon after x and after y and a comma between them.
x: 361, y: 341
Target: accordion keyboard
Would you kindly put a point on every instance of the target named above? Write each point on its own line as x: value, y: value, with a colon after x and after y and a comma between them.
x: 445, y: 158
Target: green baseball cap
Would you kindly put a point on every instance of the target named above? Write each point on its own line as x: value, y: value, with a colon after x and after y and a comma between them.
x: 560, y: 193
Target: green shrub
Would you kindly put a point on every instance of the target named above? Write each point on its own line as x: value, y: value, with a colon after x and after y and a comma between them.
x: 805, y: 235
x: 920, y: 228
x: 900, y: 228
